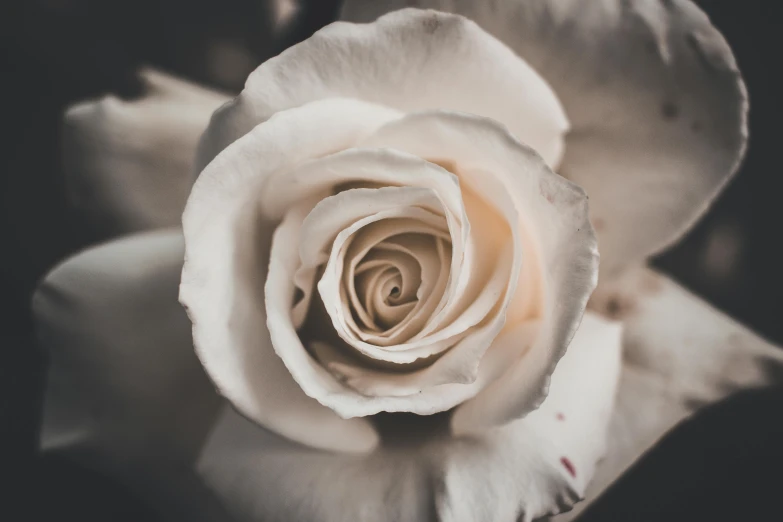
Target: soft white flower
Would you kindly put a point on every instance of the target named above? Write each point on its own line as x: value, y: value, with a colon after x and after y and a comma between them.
x: 389, y: 219
x: 437, y: 258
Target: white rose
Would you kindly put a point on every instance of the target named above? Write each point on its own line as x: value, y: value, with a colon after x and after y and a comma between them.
x: 436, y: 258
x: 389, y: 219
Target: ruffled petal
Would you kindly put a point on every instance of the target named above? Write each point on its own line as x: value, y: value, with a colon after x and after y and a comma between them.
x: 382, y: 214
x: 409, y: 60
x: 374, y: 168
x: 129, y: 164
x: 125, y: 394
x: 680, y: 354
x: 311, y: 225
x: 657, y: 106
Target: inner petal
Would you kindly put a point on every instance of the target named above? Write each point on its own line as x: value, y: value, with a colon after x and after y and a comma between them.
x: 362, y: 302
x: 423, y: 264
x: 408, y: 242
x: 335, y: 213
x: 387, y: 313
x: 385, y: 289
x: 344, y: 228
x: 407, y: 267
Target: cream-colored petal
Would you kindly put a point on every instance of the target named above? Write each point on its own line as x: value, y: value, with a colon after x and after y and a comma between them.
x: 679, y: 355
x: 354, y: 242
x: 378, y: 167
x: 125, y: 394
x: 295, y: 237
x: 554, y: 232
x: 279, y: 145
x: 541, y: 465
x: 490, y: 270
x: 658, y: 108
x: 223, y: 277
x: 415, y: 259
x: 381, y: 290
x: 391, y: 289
x: 311, y: 375
x: 459, y: 365
x: 478, y: 317
x: 129, y: 164
x: 366, y: 281
x: 277, y: 400
x: 429, y: 60
x: 434, y: 256
x: 389, y: 314
x: 357, y: 165
x: 335, y: 213
x: 550, y: 203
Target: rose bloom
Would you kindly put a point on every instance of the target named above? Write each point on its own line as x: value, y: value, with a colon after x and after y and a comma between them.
x: 390, y: 266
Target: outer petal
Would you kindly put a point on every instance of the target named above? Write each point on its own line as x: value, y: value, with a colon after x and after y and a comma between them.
x: 224, y: 274
x: 125, y: 393
x: 656, y: 103
x: 541, y: 464
x: 129, y: 164
x: 409, y: 60
x: 680, y: 354
x: 511, y: 471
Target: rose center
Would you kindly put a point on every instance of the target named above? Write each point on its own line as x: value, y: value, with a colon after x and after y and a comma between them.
x: 387, y: 281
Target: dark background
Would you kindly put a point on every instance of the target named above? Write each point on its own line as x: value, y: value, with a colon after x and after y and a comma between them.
x: 725, y: 464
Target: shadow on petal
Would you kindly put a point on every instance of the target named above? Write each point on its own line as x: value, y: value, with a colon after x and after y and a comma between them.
x: 680, y: 355
x: 125, y: 393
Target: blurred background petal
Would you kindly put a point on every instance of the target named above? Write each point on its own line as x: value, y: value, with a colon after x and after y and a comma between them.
x: 129, y: 164
x: 679, y: 356
x: 125, y: 393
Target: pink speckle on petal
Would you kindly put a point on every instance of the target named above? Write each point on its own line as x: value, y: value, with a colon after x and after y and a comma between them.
x: 568, y: 466
x: 560, y: 417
